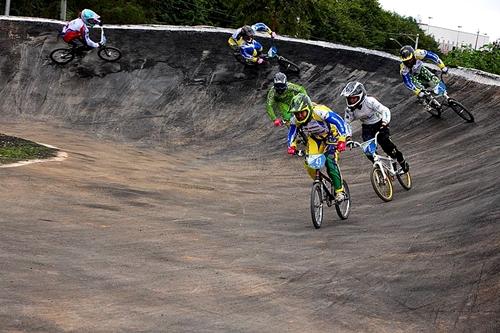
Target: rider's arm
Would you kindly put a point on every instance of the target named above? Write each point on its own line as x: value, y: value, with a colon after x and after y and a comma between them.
x: 86, y: 36
x: 270, y: 104
x: 379, y: 108
x: 407, y: 80
x: 336, y: 120
x: 348, y: 118
x: 429, y: 55
x: 261, y: 27
x: 292, y: 134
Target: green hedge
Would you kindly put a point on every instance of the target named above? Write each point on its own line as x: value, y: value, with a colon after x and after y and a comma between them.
x: 486, y: 58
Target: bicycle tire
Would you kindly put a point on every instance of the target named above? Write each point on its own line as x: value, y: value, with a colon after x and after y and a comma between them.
x: 377, y: 180
x: 62, y: 56
x: 288, y: 66
x: 405, y: 180
x: 317, y: 204
x: 343, y: 208
x: 109, y: 53
x: 460, y: 110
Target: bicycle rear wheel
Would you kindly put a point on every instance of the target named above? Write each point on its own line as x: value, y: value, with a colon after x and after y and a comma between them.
x: 343, y: 208
x: 317, y: 204
x: 381, y: 186
x: 62, y: 56
x: 405, y: 180
x: 288, y: 66
x: 460, y: 110
x: 109, y: 53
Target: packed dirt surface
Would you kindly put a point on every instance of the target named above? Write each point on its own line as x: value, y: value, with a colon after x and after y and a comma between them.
x: 178, y: 210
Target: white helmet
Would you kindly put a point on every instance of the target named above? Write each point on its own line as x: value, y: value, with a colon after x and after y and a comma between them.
x: 355, y: 94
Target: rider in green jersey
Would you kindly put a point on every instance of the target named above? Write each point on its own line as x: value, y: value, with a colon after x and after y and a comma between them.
x: 279, y: 98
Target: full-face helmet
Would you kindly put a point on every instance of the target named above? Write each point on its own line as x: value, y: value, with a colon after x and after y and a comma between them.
x: 90, y: 18
x: 407, y: 54
x: 354, y: 93
x: 280, y: 83
x: 302, y: 108
x: 247, y: 33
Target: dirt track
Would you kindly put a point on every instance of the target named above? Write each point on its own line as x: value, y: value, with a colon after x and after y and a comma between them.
x: 210, y: 230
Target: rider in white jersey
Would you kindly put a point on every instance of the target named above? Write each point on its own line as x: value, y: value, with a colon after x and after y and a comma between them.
x: 374, y: 117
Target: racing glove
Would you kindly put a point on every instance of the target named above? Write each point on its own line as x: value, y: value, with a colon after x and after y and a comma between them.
x: 421, y: 94
x: 260, y: 61
x: 292, y: 150
x: 341, y: 146
x: 278, y: 122
x: 444, y: 70
x: 273, y: 34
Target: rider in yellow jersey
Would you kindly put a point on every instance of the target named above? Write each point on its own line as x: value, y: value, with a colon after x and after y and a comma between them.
x: 325, y: 131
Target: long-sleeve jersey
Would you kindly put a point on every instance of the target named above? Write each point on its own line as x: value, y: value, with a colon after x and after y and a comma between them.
x: 236, y: 36
x: 77, y: 29
x: 371, y: 112
x: 282, y: 102
x: 323, y: 124
x: 407, y: 72
x: 247, y: 50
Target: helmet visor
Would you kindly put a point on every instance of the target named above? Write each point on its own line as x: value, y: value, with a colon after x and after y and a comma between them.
x: 409, y: 62
x: 351, y: 100
x: 280, y: 88
x: 93, y: 21
x: 301, y: 115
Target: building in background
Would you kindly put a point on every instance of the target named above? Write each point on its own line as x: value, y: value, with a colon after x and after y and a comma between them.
x: 448, y: 39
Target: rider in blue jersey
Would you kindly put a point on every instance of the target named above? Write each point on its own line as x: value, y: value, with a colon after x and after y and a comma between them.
x: 243, y: 42
x: 325, y: 132
x: 415, y: 75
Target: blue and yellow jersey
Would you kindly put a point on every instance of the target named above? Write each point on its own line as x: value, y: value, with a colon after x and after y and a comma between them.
x: 236, y: 40
x: 250, y: 51
x: 324, y: 124
x: 407, y: 72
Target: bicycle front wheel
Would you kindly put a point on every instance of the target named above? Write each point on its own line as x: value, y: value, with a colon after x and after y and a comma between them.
x: 288, y: 66
x: 434, y: 108
x: 344, y: 207
x: 317, y: 204
x: 460, y: 110
x: 62, y: 56
x: 405, y: 180
x: 381, y: 186
x: 110, y: 54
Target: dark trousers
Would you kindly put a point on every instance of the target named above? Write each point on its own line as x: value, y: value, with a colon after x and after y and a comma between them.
x: 384, y: 140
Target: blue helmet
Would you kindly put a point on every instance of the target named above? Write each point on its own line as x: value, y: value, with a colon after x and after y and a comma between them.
x: 90, y: 18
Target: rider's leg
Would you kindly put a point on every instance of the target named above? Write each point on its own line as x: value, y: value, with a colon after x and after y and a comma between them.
x: 333, y: 171
x: 313, y: 147
x: 384, y: 139
x: 368, y: 133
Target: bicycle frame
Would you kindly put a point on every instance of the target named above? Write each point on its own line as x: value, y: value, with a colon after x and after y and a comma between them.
x: 385, y: 163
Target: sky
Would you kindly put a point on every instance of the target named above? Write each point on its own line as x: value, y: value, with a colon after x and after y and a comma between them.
x: 482, y: 15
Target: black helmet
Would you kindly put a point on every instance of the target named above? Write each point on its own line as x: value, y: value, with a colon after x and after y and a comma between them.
x: 280, y: 83
x: 407, y: 55
x: 354, y: 93
x: 247, y: 32
x: 301, y: 107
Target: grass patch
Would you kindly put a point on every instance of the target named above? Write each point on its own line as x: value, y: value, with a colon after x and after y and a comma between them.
x: 14, y: 149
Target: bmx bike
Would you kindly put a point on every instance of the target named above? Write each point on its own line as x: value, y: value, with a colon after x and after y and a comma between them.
x: 64, y: 55
x: 322, y: 191
x: 436, y: 100
x: 385, y: 169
